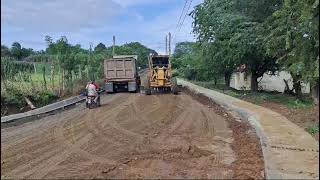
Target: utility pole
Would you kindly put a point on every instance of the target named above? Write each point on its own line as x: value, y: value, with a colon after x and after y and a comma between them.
x: 90, y: 51
x: 169, y: 43
x: 114, y: 43
x: 166, y: 44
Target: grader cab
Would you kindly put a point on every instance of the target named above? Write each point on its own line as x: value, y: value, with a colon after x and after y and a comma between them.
x: 160, y: 75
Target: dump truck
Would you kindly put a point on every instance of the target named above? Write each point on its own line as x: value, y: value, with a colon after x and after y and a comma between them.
x: 121, y: 74
x: 160, y: 75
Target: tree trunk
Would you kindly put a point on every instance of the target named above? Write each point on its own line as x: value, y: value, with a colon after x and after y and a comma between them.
x: 296, y: 86
x: 287, y: 89
x: 52, y: 76
x: 254, y: 81
x: 72, y: 78
x: 59, y: 79
x: 80, y: 74
x: 297, y: 89
x: 44, y: 77
x: 315, y: 92
x: 35, y: 68
x: 87, y: 69
x: 215, y: 81
x: 62, y: 81
x: 227, y: 77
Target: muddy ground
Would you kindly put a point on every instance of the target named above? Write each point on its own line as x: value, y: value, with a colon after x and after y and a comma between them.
x: 134, y: 136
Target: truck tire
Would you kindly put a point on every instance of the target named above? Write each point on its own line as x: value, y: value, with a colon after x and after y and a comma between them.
x: 132, y: 87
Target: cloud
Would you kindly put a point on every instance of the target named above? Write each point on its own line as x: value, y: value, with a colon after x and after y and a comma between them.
x: 127, y: 3
x: 57, y: 16
x: 85, y: 21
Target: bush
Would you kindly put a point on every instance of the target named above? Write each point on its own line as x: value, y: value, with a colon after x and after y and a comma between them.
x: 313, y: 129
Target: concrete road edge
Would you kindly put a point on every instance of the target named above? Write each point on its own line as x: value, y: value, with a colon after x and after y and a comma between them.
x: 289, y: 151
x: 42, y: 110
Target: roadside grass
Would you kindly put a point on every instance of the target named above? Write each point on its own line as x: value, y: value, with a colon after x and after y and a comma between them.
x: 260, y: 96
x: 313, y: 129
x: 275, y: 97
x: 301, y: 112
x: 13, y: 92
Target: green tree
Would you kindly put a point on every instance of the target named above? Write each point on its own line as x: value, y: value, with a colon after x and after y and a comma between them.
x: 230, y: 33
x: 26, y: 52
x: 186, y: 59
x: 5, y: 51
x: 19, y: 52
x: 134, y: 48
x: 16, y: 50
x: 100, y: 48
x: 294, y: 40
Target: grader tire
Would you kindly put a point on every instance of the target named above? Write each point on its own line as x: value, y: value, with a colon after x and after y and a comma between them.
x: 174, y: 86
x: 147, y: 88
x: 148, y: 91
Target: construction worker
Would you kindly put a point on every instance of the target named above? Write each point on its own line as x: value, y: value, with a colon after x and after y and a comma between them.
x: 96, y: 85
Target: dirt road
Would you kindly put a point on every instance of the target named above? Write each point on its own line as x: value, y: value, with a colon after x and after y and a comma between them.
x: 130, y: 136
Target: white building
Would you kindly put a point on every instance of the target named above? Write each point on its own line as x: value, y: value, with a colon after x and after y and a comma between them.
x: 242, y: 81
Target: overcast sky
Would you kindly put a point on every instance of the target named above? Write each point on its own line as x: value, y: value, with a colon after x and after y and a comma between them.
x: 85, y: 21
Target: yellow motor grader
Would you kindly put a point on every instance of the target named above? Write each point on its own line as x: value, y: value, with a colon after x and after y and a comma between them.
x: 159, y: 77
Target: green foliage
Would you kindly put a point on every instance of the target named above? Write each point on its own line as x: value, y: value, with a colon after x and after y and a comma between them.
x: 187, y: 60
x: 260, y: 96
x: 100, y: 48
x: 11, y: 69
x: 135, y: 48
x: 18, y: 52
x: 294, y: 38
x: 313, y: 129
x: 231, y: 34
x: 217, y: 85
x: 43, y: 98
x: 5, y: 51
x: 14, y: 95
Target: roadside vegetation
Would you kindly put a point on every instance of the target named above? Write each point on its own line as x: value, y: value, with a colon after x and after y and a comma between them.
x: 59, y: 71
x: 302, y: 112
x: 256, y: 37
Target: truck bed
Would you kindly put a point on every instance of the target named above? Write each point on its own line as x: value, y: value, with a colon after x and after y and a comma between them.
x: 118, y: 69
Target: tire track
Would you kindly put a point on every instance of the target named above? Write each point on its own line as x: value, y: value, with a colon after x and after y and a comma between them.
x: 133, y: 135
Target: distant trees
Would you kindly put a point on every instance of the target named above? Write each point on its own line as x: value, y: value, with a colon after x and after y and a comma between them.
x: 16, y: 51
x: 5, y: 51
x: 100, y: 48
x: 186, y: 58
x: 133, y: 48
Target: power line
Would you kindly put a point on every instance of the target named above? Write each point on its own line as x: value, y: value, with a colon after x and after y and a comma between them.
x: 176, y: 32
x: 185, y: 14
x: 185, y: 3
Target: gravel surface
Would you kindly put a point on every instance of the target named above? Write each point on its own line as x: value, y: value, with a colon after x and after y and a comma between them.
x: 134, y: 136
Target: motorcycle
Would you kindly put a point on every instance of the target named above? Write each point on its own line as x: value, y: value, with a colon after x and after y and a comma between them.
x: 91, y: 103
